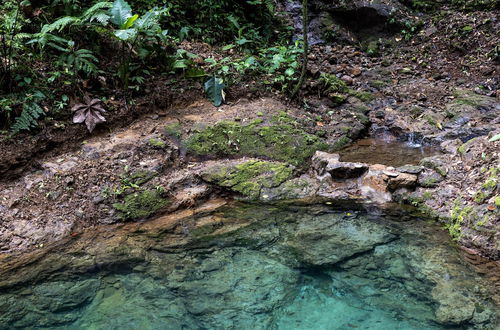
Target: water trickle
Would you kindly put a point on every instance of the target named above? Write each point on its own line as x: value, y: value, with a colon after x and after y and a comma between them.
x: 388, y: 151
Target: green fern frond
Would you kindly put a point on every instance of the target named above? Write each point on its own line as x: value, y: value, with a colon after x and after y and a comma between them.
x: 60, y: 24
x: 98, y: 7
x: 101, y: 17
x: 28, y: 119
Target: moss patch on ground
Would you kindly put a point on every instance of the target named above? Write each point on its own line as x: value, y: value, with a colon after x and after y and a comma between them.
x: 281, y: 140
x: 250, y: 177
x: 141, y: 204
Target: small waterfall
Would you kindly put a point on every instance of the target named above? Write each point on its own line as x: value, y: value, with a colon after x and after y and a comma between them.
x: 414, y: 141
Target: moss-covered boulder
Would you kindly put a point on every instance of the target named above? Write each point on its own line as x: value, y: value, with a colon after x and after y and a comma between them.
x: 282, y: 139
x: 248, y: 178
x: 141, y: 204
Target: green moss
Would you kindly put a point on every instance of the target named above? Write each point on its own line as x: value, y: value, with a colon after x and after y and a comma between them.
x: 430, y: 182
x: 332, y: 84
x: 280, y: 141
x: 337, y: 98
x: 334, y: 87
x: 378, y: 84
x: 461, y: 149
x: 250, y: 177
x: 138, y: 177
x: 435, y: 165
x: 363, y: 119
x: 458, y: 215
x: 141, y: 204
x: 342, y: 142
x: 173, y: 130
x: 490, y: 184
x: 479, y: 197
x: 361, y: 108
x: 157, y: 143
x: 497, y: 201
x: 484, y: 221
x: 362, y: 96
x: 431, y: 120
x: 372, y: 49
x: 427, y: 195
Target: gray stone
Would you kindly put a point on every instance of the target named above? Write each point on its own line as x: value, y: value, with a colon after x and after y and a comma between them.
x: 429, y: 178
x: 410, y: 169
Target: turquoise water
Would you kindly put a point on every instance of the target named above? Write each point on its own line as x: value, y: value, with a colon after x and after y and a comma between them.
x: 251, y: 267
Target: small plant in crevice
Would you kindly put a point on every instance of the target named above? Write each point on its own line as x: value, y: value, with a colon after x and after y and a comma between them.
x: 89, y: 112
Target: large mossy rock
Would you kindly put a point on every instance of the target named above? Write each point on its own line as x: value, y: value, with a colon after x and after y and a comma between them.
x: 282, y: 139
x: 248, y: 178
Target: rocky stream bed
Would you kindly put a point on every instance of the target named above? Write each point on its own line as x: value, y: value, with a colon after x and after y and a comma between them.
x: 251, y: 266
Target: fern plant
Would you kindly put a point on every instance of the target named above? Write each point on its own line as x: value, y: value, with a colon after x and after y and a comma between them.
x: 31, y: 112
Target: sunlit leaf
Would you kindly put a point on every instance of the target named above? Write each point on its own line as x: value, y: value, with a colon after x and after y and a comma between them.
x: 130, y: 21
x: 120, y: 12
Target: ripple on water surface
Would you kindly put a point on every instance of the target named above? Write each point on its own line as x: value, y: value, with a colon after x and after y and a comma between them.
x: 253, y: 267
x: 388, y: 152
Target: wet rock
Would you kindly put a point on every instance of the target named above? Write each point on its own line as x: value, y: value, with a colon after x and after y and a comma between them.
x: 296, y: 188
x: 429, y: 178
x: 403, y: 180
x: 248, y: 178
x: 325, y: 162
x: 410, y: 169
x: 454, y: 309
x: 451, y: 146
x: 329, y: 239
x: 437, y: 163
x: 347, y: 79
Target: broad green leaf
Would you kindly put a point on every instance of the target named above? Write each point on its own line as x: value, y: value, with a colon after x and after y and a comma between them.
x: 250, y: 61
x: 120, y: 12
x: 228, y: 47
x: 130, y: 21
x: 180, y: 64
x: 495, y: 138
x: 242, y: 41
x: 126, y: 35
x: 194, y: 72
x: 214, y: 87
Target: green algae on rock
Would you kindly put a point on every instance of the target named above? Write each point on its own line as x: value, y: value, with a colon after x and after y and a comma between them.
x: 250, y: 177
x: 280, y: 140
x: 157, y: 143
x: 141, y: 204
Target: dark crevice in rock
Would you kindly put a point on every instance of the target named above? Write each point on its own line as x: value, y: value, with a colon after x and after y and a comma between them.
x: 363, y: 19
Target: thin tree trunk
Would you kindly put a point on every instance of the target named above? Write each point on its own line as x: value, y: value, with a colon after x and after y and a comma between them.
x: 305, y: 23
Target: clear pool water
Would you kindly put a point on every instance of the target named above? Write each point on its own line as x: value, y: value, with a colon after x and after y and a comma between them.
x: 249, y: 266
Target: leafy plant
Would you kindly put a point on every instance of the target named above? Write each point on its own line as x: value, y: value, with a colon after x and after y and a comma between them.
x: 89, y: 112
x: 133, y: 30
x: 214, y: 87
x: 31, y: 112
x: 10, y: 24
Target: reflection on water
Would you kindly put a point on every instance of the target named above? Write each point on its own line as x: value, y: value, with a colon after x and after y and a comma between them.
x: 253, y: 267
x: 388, y: 152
